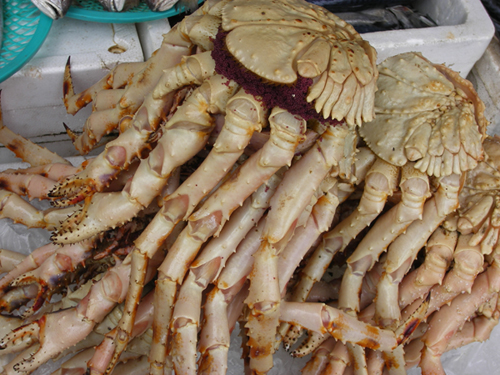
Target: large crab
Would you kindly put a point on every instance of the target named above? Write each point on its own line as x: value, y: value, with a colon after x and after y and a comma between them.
x: 313, y: 89
x: 319, y: 69
x: 429, y: 121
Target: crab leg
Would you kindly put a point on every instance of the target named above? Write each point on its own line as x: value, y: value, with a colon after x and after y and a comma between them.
x: 76, y: 322
x: 119, y: 76
x: 478, y: 329
x: 450, y: 318
x: 380, y: 182
x: 404, y: 249
x: 120, y: 152
x: 286, y: 206
x: 304, y: 237
x: 209, y: 219
x: 101, y: 123
x: 415, y: 189
x: 205, y: 269
x: 468, y: 263
x: 215, y: 334
x: 319, y: 221
x: 10, y: 260
x: 375, y: 362
x: 339, y: 359
x: 416, y: 284
x: 48, y: 274
x: 12, y: 206
x: 31, y: 185
x: 103, y: 353
x: 54, y: 171
x: 322, y: 318
x: 319, y: 358
x: 35, y: 182
x: 186, y: 134
x: 244, y: 116
x: 176, y: 44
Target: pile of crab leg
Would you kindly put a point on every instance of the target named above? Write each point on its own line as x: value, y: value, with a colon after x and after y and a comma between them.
x: 265, y: 173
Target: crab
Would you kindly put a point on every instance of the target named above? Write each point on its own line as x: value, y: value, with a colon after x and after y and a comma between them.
x: 243, y: 208
x: 322, y: 70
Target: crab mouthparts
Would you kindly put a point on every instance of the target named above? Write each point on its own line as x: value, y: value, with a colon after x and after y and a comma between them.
x: 289, y: 97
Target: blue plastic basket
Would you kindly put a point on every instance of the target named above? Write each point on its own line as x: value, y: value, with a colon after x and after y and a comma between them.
x: 91, y: 10
x: 24, y: 31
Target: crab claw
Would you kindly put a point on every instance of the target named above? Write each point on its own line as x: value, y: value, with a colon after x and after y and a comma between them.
x: 71, y: 191
x: 17, y: 297
x: 36, y: 290
x: 70, y: 133
x: 54, y: 332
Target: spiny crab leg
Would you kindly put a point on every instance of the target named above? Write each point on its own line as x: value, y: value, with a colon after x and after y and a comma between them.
x: 12, y: 206
x: 215, y: 334
x: 468, y: 263
x: 76, y: 322
x: 205, y: 269
x: 478, y: 329
x: 319, y: 358
x: 130, y: 364
x: 100, y: 123
x: 244, y: 116
x: 415, y: 190
x: 404, y: 249
x: 99, y: 361
x: 439, y: 254
x: 380, y: 182
x: 179, y: 42
x: 320, y: 219
x: 30, y: 185
x: 286, y: 132
x: 119, y: 76
x: 121, y: 152
x: 304, y: 237
x: 322, y: 318
x: 36, y: 182
x: 48, y: 274
x: 191, y: 126
x: 286, y: 206
x: 450, y: 318
x: 10, y: 260
x: 55, y: 171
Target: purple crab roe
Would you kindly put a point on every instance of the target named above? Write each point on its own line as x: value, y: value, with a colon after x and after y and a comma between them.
x: 289, y: 97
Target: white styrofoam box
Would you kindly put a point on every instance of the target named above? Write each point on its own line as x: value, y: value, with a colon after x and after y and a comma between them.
x: 151, y: 35
x: 486, y: 79
x: 463, y: 34
x: 32, y: 98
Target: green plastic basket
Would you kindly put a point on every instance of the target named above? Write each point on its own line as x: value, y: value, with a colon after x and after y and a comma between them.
x: 91, y: 10
x: 24, y: 31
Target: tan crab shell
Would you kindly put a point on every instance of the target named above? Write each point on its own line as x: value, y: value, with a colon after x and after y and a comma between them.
x: 479, y: 212
x: 428, y: 114
x: 278, y: 39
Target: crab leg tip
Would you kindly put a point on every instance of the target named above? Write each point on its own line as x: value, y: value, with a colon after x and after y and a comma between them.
x: 70, y: 133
